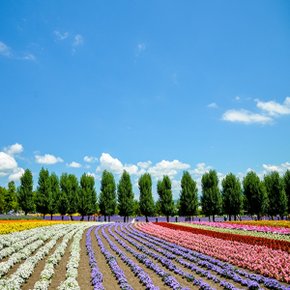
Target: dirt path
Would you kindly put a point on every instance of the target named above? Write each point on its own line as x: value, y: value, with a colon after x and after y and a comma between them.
x: 84, y: 270
x: 109, y: 281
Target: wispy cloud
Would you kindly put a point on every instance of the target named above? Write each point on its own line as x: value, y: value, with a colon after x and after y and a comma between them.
x: 281, y: 168
x: 245, y: 117
x: 13, y: 149
x: 60, y: 35
x: 5, y: 50
x: 47, y: 159
x: 74, y: 165
x: 140, y: 49
x: 268, y: 112
x: 78, y: 40
x: 273, y: 108
x: 90, y: 159
x: 212, y: 105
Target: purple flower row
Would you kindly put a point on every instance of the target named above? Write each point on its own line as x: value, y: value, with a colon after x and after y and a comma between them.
x: 111, y: 260
x: 222, y: 268
x: 96, y: 275
x: 138, y: 271
x: 166, y: 277
x: 163, y: 260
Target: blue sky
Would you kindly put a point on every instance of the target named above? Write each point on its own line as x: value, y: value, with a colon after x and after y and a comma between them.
x: 157, y: 86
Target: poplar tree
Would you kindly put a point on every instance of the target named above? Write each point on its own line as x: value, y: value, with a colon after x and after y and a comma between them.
x: 188, y: 201
x: 43, y: 193
x: 146, y: 202
x: 10, y: 198
x: 107, y: 202
x: 165, y: 197
x: 125, y: 196
x: 287, y: 188
x: 276, y: 195
x: 232, y: 198
x: 55, y: 195
x: 211, y: 200
x: 25, y: 195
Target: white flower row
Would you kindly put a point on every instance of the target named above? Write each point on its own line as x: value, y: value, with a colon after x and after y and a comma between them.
x: 25, y: 252
x: 26, y: 269
x: 48, y: 271
x: 72, y: 267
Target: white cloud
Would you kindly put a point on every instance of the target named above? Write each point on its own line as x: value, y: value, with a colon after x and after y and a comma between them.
x: 74, y: 165
x: 212, y: 105
x: 47, y: 159
x: 14, y: 149
x: 237, y: 98
x: 78, y: 40
x: 246, y: 117
x: 145, y: 164
x: 90, y: 159
x: 165, y: 167
x: 60, y: 35
x: 275, y: 109
x: 107, y: 162
x: 131, y: 169
x: 29, y: 56
x: 7, y: 162
x: 281, y: 168
x: 200, y: 169
x: 5, y: 50
x: 16, y: 175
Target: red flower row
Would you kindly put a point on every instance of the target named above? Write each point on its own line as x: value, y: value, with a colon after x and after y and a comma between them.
x: 270, y: 243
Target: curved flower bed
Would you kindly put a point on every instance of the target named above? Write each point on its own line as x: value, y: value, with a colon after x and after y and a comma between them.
x: 261, y: 259
x: 246, y: 227
x: 250, y: 240
x: 265, y: 223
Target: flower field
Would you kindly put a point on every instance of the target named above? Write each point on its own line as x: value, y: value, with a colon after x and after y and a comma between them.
x: 89, y: 255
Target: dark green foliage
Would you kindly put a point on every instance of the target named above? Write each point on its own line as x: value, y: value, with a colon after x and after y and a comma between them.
x: 276, y: 194
x: 43, y: 193
x: 25, y: 196
x: 107, y: 202
x: 188, y: 201
x: 10, y: 198
x: 136, y: 207
x: 211, y: 200
x: 87, y: 196
x: 287, y: 187
x: 256, y: 199
x: 63, y: 202
x: 165, y: 197
x: 55, y: 194
x: 232, y: 195
x: 146, y: 201
x: 125, y: 196
x: 2, y: 194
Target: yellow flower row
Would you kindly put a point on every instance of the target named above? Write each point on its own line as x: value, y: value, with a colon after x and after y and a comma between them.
x: 16, y: 226
x: 267, y: 223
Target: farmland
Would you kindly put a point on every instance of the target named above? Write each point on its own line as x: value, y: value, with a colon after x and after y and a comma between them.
x: 90, y: 255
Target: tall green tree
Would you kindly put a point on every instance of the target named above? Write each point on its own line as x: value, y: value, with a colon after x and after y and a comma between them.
x: 256, y: 200
x: 125, y: 196
x: 10, y: 198
x: 211, y: 200
x: 276, y: 195
x: 2, y: 193
x: 63, y: 202
x: 55, y: 195
x: 25, y: 196
x: 108, y: 201
x: 73, y: 194
x: 188, y: 200
x: 287, y: 188
x: 232, y: 197
x: 146, y: 202
x: 165, y: 196
x: 87, y: 196
x: 43, y: 193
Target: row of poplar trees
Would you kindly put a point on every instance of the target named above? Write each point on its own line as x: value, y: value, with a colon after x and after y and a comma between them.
x: 68, y: 195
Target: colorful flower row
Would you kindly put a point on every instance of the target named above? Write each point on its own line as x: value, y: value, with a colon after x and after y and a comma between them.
x: 7, y: 227
x: 250, y: 240
x: 215, y: 227
x: 246, y: 227
x: 221, y: 268
x: 266, y: 223
x: 261, y: 259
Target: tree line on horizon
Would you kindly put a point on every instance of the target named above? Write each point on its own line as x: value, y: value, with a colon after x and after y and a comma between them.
x: 66, y: 195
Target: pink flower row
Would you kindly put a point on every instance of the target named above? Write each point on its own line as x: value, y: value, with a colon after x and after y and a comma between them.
x: 265, y: 229
x: 261, y: 259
